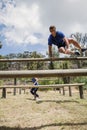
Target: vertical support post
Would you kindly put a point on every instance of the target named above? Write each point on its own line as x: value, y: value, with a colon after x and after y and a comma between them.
x: 19, y: 90
x: 24, y: 90
x: 81, y: 92
x: 60, y: 90
x: 15, y: 83
x: 4, y: 93
x: 70, y: 92
x: 63, y: 91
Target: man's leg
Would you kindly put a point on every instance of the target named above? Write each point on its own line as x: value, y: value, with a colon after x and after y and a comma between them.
x: 75, y: 43
x: 64, y: 51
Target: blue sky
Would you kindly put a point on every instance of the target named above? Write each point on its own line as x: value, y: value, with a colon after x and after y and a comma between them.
x: 16, y: 49
x: 24, y: 23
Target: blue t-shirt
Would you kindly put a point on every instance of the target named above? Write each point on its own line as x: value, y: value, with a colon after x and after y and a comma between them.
x: 57, y: 40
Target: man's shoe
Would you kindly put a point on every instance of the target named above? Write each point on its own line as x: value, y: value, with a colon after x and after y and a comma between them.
x: 77, y: 53
x: 84, y: 49
x: 36, y: 96
x: 38, y: 99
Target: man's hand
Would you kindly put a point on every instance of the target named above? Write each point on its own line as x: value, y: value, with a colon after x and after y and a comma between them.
x: 50, y: 51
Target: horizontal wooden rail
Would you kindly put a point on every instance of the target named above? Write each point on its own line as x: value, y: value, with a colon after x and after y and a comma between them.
x: 42, y: 59
x: 80, y: 85
x: 43, y: 73
x: 42, y: 86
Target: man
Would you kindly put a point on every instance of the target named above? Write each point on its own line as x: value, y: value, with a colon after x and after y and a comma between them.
x: 58, y: 38
x: 34, y: 90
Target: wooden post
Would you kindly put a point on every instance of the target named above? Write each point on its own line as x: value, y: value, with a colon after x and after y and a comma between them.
x: 24, y: 90
x: 19, y: 90
x: 81, y: 92
x: 70, y: 92
x: 4, y: 93
x: 60, y: 90
x: 63, y: 91
x: 15, y: 83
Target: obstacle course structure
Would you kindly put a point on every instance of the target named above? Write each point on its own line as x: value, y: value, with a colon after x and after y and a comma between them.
x: 43, y: 73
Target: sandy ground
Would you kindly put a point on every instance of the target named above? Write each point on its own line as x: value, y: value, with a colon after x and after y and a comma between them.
x: 52, y: 112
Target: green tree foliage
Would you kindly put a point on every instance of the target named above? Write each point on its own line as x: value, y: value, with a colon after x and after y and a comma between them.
x: 23, y: 65
x: 0, y: 44
x: 81, y: 80
x: 80, y: 37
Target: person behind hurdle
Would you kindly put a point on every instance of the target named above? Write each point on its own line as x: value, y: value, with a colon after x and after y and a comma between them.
x: 34, y: 90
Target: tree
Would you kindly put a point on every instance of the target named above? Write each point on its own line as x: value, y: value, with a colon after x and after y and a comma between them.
x: 81, y: 38
x: 0, y: 44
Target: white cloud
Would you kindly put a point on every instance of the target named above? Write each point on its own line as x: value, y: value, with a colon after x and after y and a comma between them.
x: 21, y: 22
x: 77, y: 28
x: 23, y: 18
x: 73, y: 1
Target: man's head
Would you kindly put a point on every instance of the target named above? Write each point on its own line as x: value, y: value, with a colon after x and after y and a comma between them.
x: 52, y: 30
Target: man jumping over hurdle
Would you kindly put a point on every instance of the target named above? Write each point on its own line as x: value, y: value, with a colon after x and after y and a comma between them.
x: 58, y: 38
x: 34, y: 90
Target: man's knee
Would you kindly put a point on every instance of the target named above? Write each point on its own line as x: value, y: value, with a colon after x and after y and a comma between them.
x: 62, y: 50
x: 67, y: 52
x: 71, y: 40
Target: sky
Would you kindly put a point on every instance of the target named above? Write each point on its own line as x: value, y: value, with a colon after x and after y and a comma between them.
x: 24, y: 24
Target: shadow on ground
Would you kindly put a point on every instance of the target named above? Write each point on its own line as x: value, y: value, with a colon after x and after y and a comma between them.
x: 44, y: 126
x: 57, y: 101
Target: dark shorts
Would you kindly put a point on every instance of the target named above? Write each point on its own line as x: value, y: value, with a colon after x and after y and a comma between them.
x: 63, y: 44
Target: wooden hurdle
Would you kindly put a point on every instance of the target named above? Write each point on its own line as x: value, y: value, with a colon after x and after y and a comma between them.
x: 80, y: 85
x: 43, y: 73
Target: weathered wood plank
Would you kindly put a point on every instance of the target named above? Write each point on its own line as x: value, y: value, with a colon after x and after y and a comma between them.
x: 42, y: 86
x: 43, y: 59
x: 43, y: 73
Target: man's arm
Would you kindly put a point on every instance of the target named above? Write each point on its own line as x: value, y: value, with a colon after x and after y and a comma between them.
x: 67, y: 42
x: 50, y: 50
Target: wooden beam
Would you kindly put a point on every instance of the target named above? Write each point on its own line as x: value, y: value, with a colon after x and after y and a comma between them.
x: 70, y: 92
x: 81, y: 91
x: 42, y: 86
x: 43, y: 59
x: 43, y: 73
x: 15, y: 83
x: 4, y: 93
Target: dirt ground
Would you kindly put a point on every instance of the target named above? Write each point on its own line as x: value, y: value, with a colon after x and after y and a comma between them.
x: 52, y: 112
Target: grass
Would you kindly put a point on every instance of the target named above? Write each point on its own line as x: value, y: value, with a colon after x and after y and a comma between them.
x: 52, y: 112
